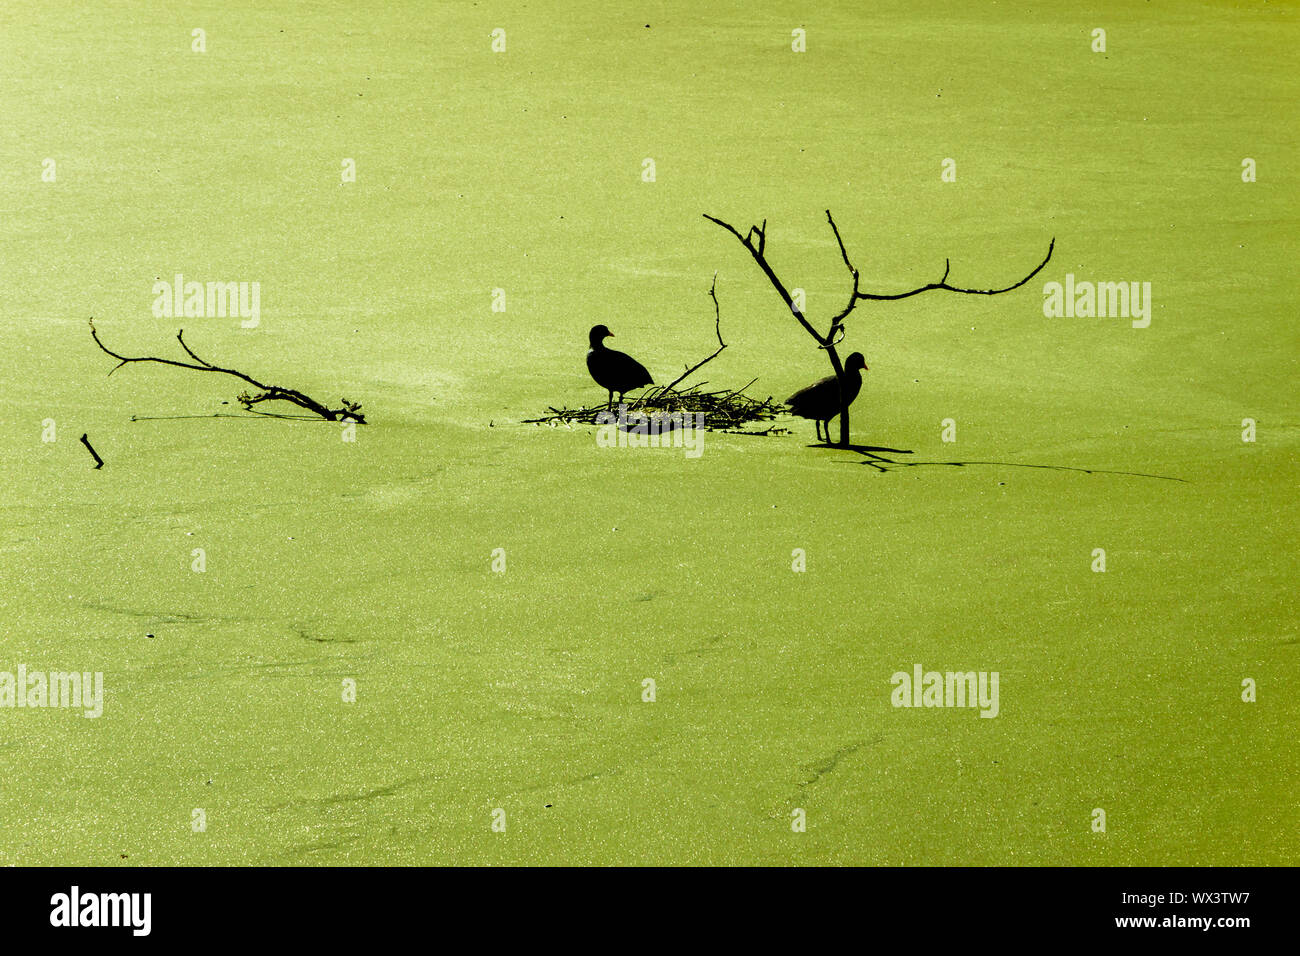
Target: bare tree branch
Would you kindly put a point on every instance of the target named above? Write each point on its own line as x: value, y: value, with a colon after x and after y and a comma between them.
x: 717, y: 312
x: 717, y: 330
x: 349, y: 410
x: 835, y: 334
x: 190, y: 352
x: 943, y: 283
x: 837, y: 323
x: 843, y: 253
x: 757, y: 253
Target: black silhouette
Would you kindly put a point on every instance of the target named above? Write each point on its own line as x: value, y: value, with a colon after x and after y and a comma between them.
x: 99, y: 462
x: 822, y: 400
x: 614, y: 371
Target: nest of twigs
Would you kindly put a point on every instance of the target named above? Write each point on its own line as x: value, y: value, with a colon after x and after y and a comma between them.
x: 726, y: 410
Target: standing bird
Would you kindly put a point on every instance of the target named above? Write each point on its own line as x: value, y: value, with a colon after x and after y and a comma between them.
x: 821, y: 400
x: 614, y: 371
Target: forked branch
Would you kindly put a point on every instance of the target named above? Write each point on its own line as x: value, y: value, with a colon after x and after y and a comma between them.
x: 756, y: 250
x: 266, y: 393
x: 943, y: 283
x: 755, y: 243
x: 856, y: 295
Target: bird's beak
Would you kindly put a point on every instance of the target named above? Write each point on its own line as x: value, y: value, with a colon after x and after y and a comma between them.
x: 609, y: 335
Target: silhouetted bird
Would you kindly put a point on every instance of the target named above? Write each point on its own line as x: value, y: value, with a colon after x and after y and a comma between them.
x: 614, y: 371
x: 821, y: 400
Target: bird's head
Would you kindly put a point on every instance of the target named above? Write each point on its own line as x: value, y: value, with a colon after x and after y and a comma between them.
x: 856, y: 361
x: 597, y: 334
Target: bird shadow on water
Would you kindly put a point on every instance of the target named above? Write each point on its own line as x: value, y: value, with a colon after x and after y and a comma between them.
x: 874, y: 456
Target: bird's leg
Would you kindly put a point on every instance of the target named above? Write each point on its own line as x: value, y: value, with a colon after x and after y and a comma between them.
x: 817, y: 423
x: 609, y: 402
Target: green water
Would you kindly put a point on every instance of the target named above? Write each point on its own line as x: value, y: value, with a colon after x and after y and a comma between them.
x: 370, y: 561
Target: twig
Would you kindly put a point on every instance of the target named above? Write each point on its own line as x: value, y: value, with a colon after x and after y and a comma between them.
x: 99, y: 462
x: 717, y: 330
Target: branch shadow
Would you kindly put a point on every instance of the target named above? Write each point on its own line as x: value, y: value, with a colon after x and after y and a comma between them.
x: 252, y: 413
x: 874, y: 457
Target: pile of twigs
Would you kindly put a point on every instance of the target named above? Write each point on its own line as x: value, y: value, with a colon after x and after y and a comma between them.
x: 727, y: 410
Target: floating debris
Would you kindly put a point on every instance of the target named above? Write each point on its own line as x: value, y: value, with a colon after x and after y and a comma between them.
x: 726, y: 410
